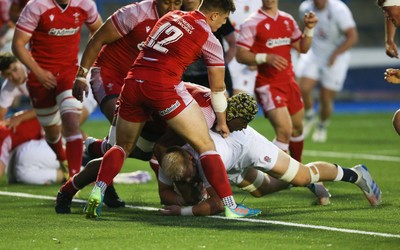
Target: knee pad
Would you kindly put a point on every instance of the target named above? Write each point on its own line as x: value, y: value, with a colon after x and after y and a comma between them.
x: 68, y: 103
x: 256, y: 183
x: 314, y: 172
x: 48, y: 116
x: 291, y: 172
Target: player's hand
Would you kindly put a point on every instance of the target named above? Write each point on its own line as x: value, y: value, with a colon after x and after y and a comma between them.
x: 332, y: 59
x: 79, y: 87
x: 47, y: 79
x: 276, y: 61
x: 222, y: 129
x: 310, y: 19
x: 171, y: 210
x: 392, y: 75
x: 391, y: 49
x: 13, y: 122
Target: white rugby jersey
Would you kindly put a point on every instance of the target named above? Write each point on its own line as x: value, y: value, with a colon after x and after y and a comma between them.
x: 333, y: 21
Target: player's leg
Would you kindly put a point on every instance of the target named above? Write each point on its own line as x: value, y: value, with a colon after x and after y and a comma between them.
x: 289, y: 170
x: 296, y: 143
x: 327, y: 97
x: 332, y: 81
x: 106, y: 97
x: 126, y: 136
x: 190, y: 124
x: 79, y: 181
x: 308, y: 75
x: 258, y: 183
x: 282, y: 123
x: 70, y: 110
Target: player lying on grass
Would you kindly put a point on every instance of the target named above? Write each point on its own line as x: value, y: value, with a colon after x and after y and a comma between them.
x: 89, y: 173
x: 151, y: 132
x: 248, y: 156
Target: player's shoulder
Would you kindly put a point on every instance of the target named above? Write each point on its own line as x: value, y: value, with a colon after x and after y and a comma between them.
x: 337, y: 4
x: 254, y: 18
x: 285, y: 15
x: 83, y: 4
x: 35, y: 4
x: 306, y: 4
x: 145, y: 5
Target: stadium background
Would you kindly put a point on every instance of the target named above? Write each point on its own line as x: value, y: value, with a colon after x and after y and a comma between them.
x: 365, y: 89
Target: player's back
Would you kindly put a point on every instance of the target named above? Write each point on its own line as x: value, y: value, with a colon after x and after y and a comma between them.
x: 175, y: 42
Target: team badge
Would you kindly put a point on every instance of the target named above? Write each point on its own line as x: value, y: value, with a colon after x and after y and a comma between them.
x: 267, y: 159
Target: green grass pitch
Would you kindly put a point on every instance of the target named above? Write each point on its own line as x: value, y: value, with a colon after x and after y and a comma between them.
x: 289, y: 220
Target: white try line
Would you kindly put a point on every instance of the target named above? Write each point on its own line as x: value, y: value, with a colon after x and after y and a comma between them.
x: 352, y: 156
x: 282, y: 223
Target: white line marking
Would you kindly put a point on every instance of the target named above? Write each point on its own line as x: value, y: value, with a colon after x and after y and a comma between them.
x: 352, y: 156
x: 283, y: 223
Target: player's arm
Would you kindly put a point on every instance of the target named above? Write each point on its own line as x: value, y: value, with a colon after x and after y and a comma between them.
x: 351, y: 38
x: 391, y: 47
x: 106, y: 34
x: 304, y: 44
x: 168, y: 196
x: 212, y: 205
x: 216, y: 76
x: 245, y: 56
x: 93, y: 27
x: 3, y: 113
x: 19, y: 117
x: 19, y: 49
x: 230, y: 52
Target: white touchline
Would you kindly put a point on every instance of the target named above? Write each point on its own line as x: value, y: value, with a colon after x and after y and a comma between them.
x: 283, y: 223
x: 352, y: 156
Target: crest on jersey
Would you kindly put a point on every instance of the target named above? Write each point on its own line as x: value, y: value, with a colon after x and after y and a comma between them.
x: 110, y: 86
x: 148, y: 28
x: 287, y: 25
x: 76, y: 15
x: 267, y: 26
x: 267, y: 159
x: 51, y: 17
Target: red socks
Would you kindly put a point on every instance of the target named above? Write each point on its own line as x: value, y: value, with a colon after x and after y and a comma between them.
x: 111, y: 164
x: 215, y: 171
x: 58, y: 149
x: 296, y: 145
x: 74, y: 150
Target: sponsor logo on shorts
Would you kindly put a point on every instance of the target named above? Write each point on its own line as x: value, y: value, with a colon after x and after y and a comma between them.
x: 267, y: 159
x: 170, y: 109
